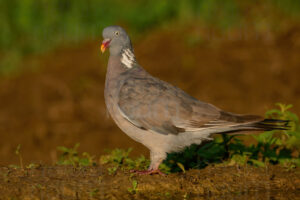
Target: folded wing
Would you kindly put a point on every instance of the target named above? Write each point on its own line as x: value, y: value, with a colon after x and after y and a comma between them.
x: 152, y: 104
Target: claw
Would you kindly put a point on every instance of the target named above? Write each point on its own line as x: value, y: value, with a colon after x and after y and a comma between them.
x: 148, y: 172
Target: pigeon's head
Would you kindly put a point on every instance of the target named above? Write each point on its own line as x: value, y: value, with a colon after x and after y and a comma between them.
x: 116, y: 39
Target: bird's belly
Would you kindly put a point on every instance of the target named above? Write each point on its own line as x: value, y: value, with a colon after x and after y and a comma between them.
x: 153, y: 141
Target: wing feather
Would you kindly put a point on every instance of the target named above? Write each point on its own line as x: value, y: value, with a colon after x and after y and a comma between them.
x: 155, y: 105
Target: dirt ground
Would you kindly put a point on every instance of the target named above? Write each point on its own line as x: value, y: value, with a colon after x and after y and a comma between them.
x: 59, y: 102
x: 95, y: 183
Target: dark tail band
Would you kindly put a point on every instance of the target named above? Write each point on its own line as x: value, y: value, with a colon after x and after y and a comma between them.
x: 271, y: 124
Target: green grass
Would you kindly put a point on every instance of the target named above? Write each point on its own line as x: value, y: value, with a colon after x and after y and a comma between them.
x: 70, y: 156
x: 31, y: 26
x: 118, y: 159
x: 133, y: 189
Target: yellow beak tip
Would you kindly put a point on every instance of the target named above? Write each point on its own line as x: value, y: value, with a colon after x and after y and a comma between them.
x: 102, y: 48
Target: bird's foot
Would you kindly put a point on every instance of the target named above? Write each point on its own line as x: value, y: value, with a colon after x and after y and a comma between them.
x: 148, y: 172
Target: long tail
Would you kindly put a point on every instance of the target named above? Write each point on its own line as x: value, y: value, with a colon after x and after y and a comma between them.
x: 268, y: 125
x: 246, y: 123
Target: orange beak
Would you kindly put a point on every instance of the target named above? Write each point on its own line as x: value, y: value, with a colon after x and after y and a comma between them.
x: 104, y: 45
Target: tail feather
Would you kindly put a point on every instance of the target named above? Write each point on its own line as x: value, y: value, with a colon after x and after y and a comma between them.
x: 269, y: 125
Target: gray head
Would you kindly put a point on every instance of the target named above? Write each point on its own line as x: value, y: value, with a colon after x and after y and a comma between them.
x: 116, y: 39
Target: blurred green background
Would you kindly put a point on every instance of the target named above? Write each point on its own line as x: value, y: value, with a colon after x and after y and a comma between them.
x: 32, y: 26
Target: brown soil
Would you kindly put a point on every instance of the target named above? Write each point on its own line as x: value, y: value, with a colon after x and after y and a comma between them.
x: 59, y: 102
x: 95, y: 183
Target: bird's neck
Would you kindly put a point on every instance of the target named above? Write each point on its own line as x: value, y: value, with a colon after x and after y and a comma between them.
x: 128, y: 58
x: 120, y: 63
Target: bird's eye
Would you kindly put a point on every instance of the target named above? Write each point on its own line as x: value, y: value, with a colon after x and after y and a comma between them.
x: 117, y: 33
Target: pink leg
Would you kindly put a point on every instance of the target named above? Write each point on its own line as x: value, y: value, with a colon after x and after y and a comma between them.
x: 156, y: 159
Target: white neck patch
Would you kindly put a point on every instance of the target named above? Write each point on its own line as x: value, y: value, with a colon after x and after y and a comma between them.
x: 128, y: 58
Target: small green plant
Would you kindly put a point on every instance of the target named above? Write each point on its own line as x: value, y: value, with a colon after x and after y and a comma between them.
x: 181, y: 166
x: 94, y: 192
x: 116, y: 156
x: 238, y: 159
x: 291, y: 137
x: 112, y: 170
x: 197, y: 156
x: 32, y: 166
x: 186, y: 196
x: 70, y: 156
x: 133, y: 189
x: 18, y: 153
x: 167, y: 194
x: 119, y: 159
